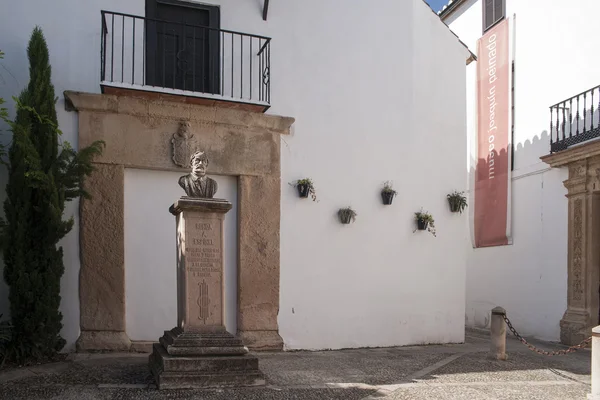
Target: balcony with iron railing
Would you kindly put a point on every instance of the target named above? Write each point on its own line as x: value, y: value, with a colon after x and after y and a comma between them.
x: 204, y: 65
x: 575, y: 120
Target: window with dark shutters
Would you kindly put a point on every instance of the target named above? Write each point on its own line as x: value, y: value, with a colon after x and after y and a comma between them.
x: 493, y: 11
x: 182, y: 51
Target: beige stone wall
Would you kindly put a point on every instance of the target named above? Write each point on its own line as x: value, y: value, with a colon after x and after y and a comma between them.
x: 138, y: 134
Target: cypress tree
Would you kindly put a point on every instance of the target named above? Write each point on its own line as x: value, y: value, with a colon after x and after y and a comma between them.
x: 3, y: 110
x: 43, y: 176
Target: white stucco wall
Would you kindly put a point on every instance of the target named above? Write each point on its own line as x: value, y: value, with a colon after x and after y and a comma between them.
x: 150, y: 252
x: 378, y: 94
x: 370, y: 105
x: 529, y: 278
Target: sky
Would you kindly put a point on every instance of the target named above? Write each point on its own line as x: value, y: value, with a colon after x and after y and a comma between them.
x: 437, y: 4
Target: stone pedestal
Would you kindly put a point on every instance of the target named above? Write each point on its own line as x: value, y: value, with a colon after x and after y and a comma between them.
x: 199, y: 352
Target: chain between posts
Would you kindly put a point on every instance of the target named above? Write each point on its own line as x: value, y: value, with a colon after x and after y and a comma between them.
x: 531, y: 347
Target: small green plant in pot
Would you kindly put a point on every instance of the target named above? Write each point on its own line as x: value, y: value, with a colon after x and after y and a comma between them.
x: 457, y: 201
x: 346, y: 215
x: 305, y: 187
x: 425, y: 222
x: 388, y: 193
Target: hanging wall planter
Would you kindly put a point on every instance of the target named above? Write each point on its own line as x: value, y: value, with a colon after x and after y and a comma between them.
x: 425, y: 222
x: 305, y: 187
x: 457, y: 201
x: 388, y: 193
x: 346, y: 215
x: 303, y: 190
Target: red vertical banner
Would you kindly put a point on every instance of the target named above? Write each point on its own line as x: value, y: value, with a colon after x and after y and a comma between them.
x: 491, y: 217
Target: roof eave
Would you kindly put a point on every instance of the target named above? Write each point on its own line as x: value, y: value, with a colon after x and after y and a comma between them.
x: 471, y: 57
x: 450, y: 8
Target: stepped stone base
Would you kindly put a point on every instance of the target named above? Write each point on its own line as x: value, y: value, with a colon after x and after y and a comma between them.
x: 180, y: 343
x: 192, y: 360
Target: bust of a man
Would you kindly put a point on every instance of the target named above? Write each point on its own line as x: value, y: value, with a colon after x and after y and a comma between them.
x: 196, y: 183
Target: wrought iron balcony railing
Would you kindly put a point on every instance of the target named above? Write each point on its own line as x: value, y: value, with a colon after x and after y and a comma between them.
x: 179, y: 58
x: 575, y: 120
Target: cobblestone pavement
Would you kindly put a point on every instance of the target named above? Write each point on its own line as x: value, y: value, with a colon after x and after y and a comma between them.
x: 461, y: 371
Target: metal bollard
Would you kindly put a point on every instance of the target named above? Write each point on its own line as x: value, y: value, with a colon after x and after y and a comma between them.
x: 498, y: 334
x: 595, y: 395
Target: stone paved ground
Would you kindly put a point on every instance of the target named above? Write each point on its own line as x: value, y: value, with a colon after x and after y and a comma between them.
x: 419, y: 372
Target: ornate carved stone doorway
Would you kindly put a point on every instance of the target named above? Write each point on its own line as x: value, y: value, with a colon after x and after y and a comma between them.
x: 583, y: 185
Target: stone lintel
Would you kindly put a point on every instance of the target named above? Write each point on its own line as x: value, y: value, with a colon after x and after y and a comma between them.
x: 200, y: 205
x: 147, y: 143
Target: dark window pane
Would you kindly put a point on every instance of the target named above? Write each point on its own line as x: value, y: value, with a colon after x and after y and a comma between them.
x: 498, y: 10
x: 488, y: 14
x: 183, y: 56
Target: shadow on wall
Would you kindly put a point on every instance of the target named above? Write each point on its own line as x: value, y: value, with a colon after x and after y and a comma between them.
x: 525, y: 156
x: 562, y: 125
x: 528, y: 153
x: 524, y: 203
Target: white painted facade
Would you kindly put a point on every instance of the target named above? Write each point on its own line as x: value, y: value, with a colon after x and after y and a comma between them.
x: 378, y: 94
x: 555, y: 58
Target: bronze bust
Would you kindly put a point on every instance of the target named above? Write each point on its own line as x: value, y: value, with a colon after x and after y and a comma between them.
x: 196, y: 183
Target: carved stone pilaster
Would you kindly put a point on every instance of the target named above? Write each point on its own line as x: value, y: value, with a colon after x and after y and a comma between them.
x: 577, y: 318
x: 583, y: 281
x: 577, y: 256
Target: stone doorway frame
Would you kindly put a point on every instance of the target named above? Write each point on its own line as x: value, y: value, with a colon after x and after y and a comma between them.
x: 583, y: 185
x: 138, y: 133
